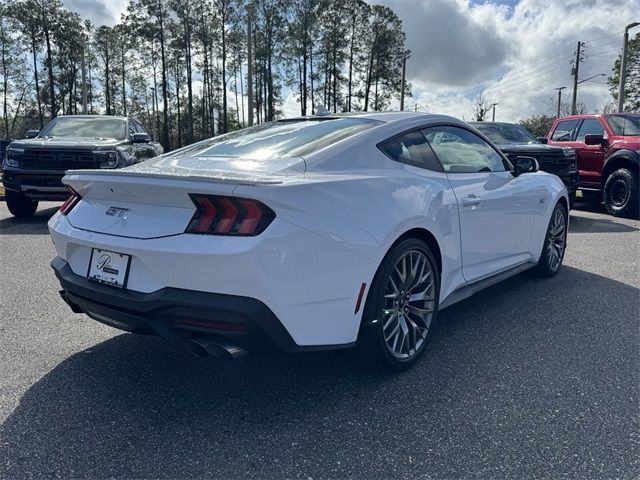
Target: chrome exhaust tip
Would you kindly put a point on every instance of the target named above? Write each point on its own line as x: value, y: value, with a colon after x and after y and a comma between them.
x: 218, y: 348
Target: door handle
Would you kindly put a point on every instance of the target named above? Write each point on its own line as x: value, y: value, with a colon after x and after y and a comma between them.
x: 471, y: 200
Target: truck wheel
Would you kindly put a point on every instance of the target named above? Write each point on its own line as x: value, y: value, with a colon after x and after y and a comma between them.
x: 19, y: 205
x: 621, y: 193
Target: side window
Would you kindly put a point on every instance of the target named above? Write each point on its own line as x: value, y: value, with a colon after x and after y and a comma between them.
x: 590, y: 126
x: 564, y: 131
x: 461, y: 151
x: 132, y: 128
x: 412, y: 149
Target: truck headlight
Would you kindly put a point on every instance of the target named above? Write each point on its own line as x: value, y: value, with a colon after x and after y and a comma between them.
x: 570, y: 156
x: 11, y: 159
x: 107, y: 158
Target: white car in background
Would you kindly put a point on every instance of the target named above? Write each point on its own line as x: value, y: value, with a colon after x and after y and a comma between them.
x: 306, y: 234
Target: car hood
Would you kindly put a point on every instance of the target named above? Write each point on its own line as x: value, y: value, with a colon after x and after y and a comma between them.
x: 65, y: 142
x: 536, y: 148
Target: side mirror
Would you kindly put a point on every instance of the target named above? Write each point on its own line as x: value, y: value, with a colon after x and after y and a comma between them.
x: 525, y: 165
x: 595, y: 140
x: 544, y: 140
x: 141, y: 138
x: 31, y: 133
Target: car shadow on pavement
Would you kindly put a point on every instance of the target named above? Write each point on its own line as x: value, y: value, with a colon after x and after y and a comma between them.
x: 35, y: 225
x: 582, y: 224
x: 531, y: 378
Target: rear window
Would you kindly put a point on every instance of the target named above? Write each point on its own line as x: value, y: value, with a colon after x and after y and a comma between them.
x: 282, y: 139
x: 625, y: 124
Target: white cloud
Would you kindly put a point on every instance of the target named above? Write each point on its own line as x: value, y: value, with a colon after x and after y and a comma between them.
x: 100, y: 12
x: 516, y: 56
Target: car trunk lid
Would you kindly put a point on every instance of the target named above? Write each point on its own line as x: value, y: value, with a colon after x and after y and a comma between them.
x: 151, y: 201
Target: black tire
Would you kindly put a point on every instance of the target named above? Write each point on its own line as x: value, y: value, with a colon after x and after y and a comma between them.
x: 19, y: 205
x: 551, y: 257
x: 572, y: 200
x: 371, y: 339
x: 621, y: 194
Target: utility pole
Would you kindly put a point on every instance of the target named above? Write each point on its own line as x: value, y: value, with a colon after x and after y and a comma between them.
x: 623, y: 65
x: 493, y: 117
x: 84, y: 82
x: 406, y: 54
x: 575, y: 79
x: 249, y: 65
x: 559, y: 99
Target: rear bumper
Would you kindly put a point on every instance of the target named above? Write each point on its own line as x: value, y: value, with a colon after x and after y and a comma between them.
x: 180, y: 315
x: 38, y: 185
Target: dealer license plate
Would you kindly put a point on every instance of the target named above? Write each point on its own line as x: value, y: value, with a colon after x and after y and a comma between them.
x: 110, y: 268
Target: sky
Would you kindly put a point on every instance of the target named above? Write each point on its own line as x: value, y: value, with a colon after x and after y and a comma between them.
x: 514, y: 52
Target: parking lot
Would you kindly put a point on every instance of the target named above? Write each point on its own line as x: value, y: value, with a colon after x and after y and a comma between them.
x: 529, y: 378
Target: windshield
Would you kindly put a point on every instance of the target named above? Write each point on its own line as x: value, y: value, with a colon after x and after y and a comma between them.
x: 86, y: 127
x: 285, y: 138
x: 506, y: 133
x: 625, y: 125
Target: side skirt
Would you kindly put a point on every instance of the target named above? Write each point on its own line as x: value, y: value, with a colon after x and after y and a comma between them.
x: 472, y: 288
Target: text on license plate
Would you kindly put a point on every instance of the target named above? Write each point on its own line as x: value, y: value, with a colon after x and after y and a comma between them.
x: 111, y: 268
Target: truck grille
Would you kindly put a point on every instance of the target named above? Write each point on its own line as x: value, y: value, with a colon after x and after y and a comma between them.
x: 548, y: 163
x: 57, y: 159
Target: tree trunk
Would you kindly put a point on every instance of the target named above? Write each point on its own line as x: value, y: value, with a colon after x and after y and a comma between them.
x: 124, y: 88
x: 107, y: 84
x: 165, y: 97
x: 304, y: 82
x: 350, y: 85
x: 35, y: 77
x: 52, y: 89
x: 313, y: 93
x: 179, y: 144
x: 271, y: 100
x: 189, y: 77
x: 225, y: 119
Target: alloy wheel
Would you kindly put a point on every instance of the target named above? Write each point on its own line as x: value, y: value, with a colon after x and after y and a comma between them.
x: 556, y: 239
x: 409, y: 304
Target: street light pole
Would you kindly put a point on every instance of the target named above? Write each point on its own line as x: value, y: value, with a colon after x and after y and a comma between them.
x: 559, y: 99
x: 249, y: 65
x: 623, y: 65
x: 493, y: 116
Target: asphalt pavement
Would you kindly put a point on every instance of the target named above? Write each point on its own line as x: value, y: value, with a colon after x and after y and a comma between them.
x: 531, y: 378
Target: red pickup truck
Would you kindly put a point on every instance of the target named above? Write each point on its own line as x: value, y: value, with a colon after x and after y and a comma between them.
x: 608, y: 154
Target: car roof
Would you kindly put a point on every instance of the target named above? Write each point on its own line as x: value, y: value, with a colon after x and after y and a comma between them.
x: 581, y: 116
x: 117, y: 117
x: 493, y: 123
x: 386, y: 117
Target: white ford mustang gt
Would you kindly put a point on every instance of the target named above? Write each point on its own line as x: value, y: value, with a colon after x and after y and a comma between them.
x: 305, y: 234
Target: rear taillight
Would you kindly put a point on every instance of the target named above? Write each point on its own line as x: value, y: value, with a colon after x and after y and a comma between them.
x: 70, y: 202
x: 220, y: 215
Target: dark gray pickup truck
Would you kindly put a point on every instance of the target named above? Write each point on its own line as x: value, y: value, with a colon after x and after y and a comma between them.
x: 33, y: 168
